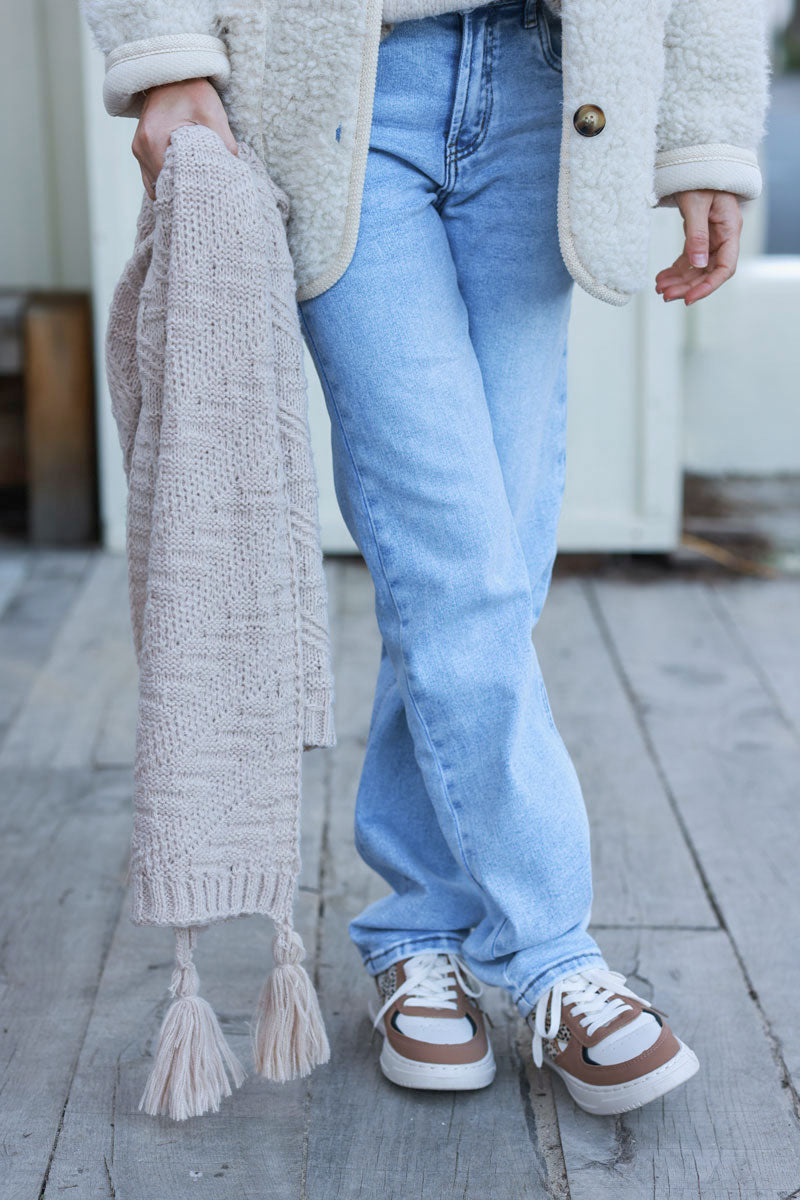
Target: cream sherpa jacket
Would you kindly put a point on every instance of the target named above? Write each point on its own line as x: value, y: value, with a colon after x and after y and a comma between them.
x: 682, y: 85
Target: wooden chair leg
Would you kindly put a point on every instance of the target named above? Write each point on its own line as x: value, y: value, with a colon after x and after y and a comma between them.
x: 59, y: 420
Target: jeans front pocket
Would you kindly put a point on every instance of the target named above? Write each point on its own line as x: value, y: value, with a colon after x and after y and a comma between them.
x: 549, y: 26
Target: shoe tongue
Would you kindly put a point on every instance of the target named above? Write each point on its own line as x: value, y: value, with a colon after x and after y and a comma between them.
x: 572, y: 983
x: 393, y: 978
x: 626, y: 1042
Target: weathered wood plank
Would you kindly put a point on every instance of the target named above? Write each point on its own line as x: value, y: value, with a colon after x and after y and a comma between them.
x: 368, y: 1138
x: 115, y: 745
x: 675, y: 728
x: 767, y: 619
x: 64, y: 838
x: 32, y: 617
x: 252, y: 1148
x: 643, y: 870
x: 90, y: 666
x: 14, y: 566
x: 730, y: 1132
x: 733, y: 767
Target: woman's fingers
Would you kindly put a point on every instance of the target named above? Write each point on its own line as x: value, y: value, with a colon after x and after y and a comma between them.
x: 674, y: 281
x: 149, y: 185
x: 149, y: 146
x: 695, y: 210
x: 712, y: 224
x: 170, y: 107
x: 224, y: 131
x: 723, y: 268
x: 691, y: 285
x: 679, y: 271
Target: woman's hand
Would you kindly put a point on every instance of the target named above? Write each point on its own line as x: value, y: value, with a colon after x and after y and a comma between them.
x: 168, y: 107
x: 712, y: 222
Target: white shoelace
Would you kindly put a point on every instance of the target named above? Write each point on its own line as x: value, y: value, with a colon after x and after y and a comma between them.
x: 431, y: 982
x: 589, y: 993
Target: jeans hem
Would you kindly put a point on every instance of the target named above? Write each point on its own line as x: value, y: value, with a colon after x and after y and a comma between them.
x: 526, y: 999
x: 433, y: 943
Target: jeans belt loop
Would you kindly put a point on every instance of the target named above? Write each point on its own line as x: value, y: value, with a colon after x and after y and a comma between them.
x: 530, y: 13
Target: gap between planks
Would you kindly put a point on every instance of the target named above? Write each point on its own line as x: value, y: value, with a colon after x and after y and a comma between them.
x: 685, y: 674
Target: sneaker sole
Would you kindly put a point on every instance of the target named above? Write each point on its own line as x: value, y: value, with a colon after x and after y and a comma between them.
x: 437, y: 1077
x: 610, y: 1100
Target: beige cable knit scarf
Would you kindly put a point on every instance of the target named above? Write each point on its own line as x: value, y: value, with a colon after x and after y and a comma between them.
x: 204, y: 360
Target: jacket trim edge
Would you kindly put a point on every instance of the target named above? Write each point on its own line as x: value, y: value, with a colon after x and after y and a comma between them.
x: 579, y: 272
x: 369, y: 69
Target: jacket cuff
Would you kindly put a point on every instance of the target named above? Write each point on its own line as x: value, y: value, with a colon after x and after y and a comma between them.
x: 716, y: 165
x: 166, y: 59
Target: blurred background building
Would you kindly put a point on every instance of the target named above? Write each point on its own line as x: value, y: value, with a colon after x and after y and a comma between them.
x: 659, y: 395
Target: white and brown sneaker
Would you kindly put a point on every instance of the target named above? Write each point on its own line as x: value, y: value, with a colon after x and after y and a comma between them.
x: 611, y: 1048
x: 434, y: 1031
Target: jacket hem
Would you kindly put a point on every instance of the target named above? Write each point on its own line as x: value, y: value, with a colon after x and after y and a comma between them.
x: 369, y: 69
x: 577, y: 269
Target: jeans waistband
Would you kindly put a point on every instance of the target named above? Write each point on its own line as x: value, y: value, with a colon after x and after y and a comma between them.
x: 529, y: 9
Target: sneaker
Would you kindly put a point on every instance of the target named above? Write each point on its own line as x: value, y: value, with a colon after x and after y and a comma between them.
x: 611, y: 1048
x: 434, y: 1031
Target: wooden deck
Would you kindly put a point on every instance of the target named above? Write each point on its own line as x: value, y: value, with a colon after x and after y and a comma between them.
x: 680, y: 701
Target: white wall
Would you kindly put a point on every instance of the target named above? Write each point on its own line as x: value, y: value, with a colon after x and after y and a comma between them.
x: 115, y: 193
x: 742, y: 377
x: 44, y: 227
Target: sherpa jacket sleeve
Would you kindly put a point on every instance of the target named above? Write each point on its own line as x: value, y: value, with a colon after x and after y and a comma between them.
x: 714, y: 98
x: 150, y: 42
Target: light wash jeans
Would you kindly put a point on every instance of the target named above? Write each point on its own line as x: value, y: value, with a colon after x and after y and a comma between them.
x: 441, y: 351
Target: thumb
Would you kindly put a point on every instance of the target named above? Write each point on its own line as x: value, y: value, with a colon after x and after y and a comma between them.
x: 695, y: 223
x: 224, y: 130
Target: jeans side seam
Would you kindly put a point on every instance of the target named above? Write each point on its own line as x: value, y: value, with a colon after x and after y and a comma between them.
x: 496, y: 937
x: 384, y: 572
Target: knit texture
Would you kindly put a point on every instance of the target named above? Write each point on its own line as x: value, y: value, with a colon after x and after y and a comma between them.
x: 204, y: 358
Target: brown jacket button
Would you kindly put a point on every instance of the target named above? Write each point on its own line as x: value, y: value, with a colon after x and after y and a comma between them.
x: 589, y: 120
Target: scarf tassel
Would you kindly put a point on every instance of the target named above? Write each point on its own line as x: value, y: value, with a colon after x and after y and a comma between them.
x: 193, y: 1060
x: 289, y: 1037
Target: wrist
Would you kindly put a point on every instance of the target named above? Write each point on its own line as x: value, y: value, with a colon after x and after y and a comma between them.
x: 179, y: 86
x: 198, y: 96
